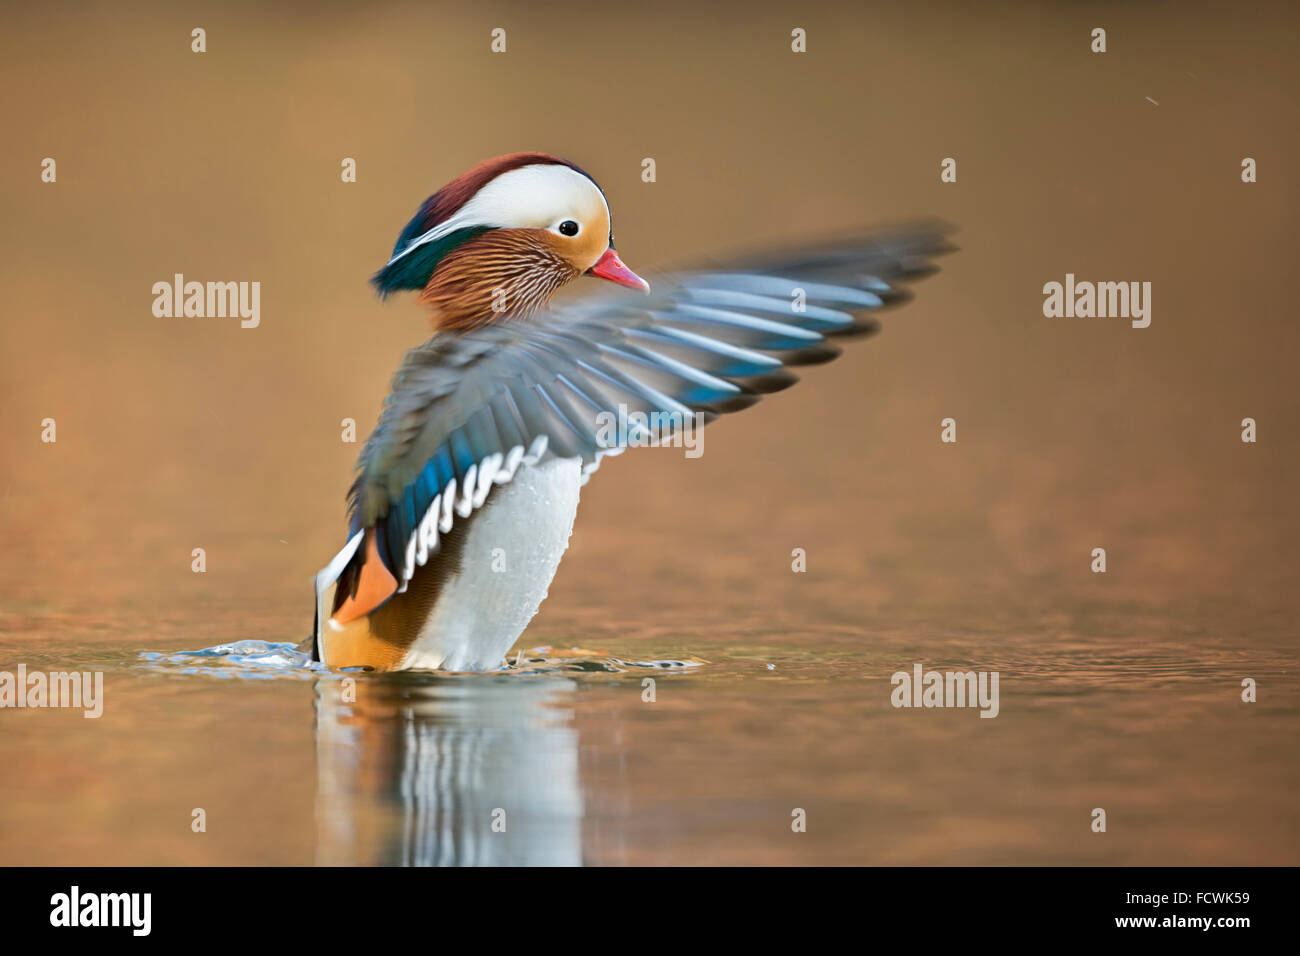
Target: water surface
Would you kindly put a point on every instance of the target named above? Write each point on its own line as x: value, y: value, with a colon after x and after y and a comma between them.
x: 296, y: 766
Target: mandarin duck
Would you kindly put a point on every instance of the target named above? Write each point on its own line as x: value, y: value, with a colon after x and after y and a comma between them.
x: 467, y: 489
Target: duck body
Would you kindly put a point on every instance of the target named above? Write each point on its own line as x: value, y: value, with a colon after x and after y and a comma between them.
x: 511, y: 552
x: 467, y: 605
x: 469, y: 485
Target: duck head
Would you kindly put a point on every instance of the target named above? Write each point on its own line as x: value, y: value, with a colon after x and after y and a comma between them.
x: 500, y: 240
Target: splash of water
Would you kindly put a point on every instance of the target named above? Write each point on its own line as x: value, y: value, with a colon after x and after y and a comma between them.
x: 253, y: 660
x: 267, y: 660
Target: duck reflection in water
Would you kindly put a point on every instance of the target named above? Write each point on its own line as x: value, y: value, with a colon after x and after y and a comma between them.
x: 443, y: 770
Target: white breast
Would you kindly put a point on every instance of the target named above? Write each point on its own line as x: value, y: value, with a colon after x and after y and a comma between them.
x: 511, y: 552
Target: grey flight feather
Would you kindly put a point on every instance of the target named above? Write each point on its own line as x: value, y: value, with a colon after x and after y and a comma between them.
x: 709, y: 342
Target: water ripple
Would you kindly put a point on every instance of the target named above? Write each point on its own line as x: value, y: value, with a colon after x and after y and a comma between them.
x: 267, y: 660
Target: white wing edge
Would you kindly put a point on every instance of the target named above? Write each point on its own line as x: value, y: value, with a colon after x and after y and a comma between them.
x: 326, y: 578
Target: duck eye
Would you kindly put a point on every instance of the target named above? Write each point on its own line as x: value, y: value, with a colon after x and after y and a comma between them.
x: 568, y: 228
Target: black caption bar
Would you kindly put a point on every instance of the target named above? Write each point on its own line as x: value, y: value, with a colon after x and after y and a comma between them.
x: 238, y: 904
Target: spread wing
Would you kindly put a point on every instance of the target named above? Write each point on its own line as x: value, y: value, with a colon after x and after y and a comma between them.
x: 467, y: 410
